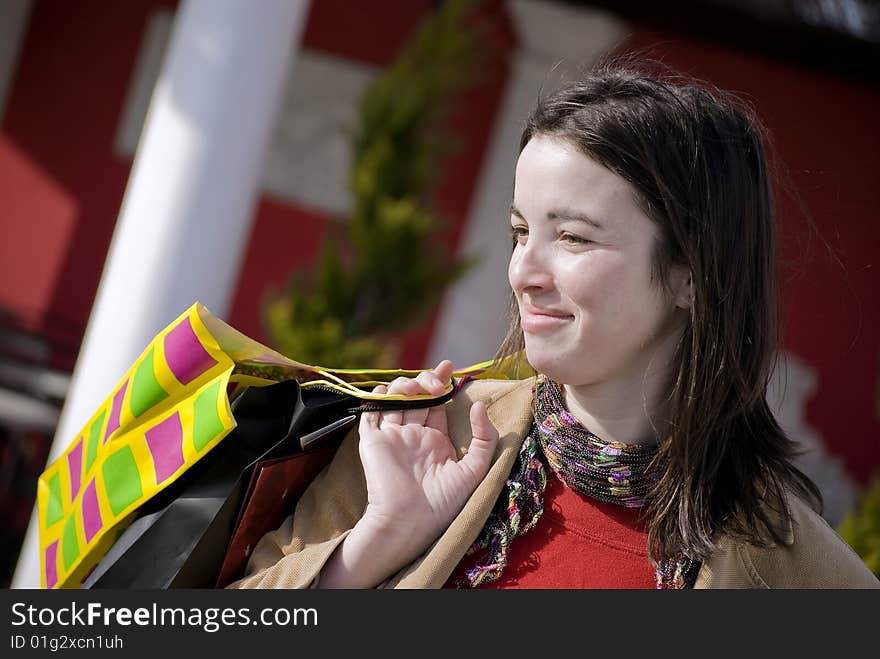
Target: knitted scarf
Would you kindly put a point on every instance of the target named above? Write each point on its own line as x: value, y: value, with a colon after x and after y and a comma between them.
x: 608, y: 471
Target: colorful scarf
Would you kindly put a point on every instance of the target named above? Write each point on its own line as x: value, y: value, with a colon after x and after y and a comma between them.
x: 607, y: 471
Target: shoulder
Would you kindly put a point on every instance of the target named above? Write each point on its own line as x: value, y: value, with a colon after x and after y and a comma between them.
x: 508, y: 404
x: 812, y: 555
x: 491, y: 390
x: 503, y: 398
x: 815, y: 556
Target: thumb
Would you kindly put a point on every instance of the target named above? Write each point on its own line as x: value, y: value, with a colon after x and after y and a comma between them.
x: 483, y: 442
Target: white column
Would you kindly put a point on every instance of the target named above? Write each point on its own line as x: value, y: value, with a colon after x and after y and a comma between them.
x: 555, y: 40
x: 186, y: 216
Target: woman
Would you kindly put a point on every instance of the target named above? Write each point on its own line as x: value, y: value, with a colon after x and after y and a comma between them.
x: 644, y: 296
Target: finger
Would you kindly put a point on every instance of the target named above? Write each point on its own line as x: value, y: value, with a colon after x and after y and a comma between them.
x: 399, y: 386
x: 437, y: 419
x: 424, y: 383
x: 403, y: 385
x: 417, y: 415
x: 430, y: 384
x: 370, y: 420
x: 483, y: 443
x: 444, y: 370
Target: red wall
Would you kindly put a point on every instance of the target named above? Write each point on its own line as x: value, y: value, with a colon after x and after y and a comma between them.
x: 61, y: 115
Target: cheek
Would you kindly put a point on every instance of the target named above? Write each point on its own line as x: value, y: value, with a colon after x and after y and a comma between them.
x: 590, y: 285
x: 610, y: 296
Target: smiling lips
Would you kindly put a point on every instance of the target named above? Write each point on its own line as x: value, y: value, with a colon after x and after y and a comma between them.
x: 537, y: 320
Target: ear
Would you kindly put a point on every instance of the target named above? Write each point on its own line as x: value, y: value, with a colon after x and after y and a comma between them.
x: 682, y: 287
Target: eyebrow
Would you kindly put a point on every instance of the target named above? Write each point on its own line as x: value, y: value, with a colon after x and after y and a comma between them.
x: 562, y: 215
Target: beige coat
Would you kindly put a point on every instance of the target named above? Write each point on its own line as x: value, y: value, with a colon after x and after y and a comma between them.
x: 813, y: 555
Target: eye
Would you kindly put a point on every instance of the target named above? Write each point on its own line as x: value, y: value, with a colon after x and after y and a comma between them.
x: 572, y: 239
x: 517, y: 232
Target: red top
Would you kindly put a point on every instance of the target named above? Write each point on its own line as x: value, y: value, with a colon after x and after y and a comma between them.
x: 578, y: 543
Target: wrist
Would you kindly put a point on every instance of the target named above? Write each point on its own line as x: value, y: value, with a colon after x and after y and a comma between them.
x: 373, y: 550
x: 400, y: 539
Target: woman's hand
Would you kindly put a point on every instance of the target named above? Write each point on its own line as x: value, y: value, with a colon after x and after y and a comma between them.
x: 415, y: 483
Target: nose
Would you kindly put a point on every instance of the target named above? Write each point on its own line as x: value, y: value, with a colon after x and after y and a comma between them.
x: 529, y: 267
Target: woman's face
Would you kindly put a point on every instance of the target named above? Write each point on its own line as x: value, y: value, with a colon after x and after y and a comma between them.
x: 581, y: 271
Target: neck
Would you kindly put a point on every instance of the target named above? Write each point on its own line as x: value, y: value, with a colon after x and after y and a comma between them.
x: 612, y: 416
x: 629, y: 409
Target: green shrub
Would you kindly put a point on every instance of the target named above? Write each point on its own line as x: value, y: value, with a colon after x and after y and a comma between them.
x: 861, y: 527
x: 381, y: 271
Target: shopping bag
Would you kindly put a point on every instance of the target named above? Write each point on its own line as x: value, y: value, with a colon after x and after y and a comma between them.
x: 166, y: 416
x: 169, y: 542
x: 275, y: 487
x: 179, y: 539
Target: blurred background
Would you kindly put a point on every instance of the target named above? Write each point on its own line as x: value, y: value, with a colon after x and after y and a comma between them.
x: 332, y: 178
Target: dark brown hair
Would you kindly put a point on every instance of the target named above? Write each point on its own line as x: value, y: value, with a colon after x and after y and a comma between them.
x: 695, y: 157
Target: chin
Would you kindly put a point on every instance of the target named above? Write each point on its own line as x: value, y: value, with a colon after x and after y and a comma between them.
x: 552, y: 364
